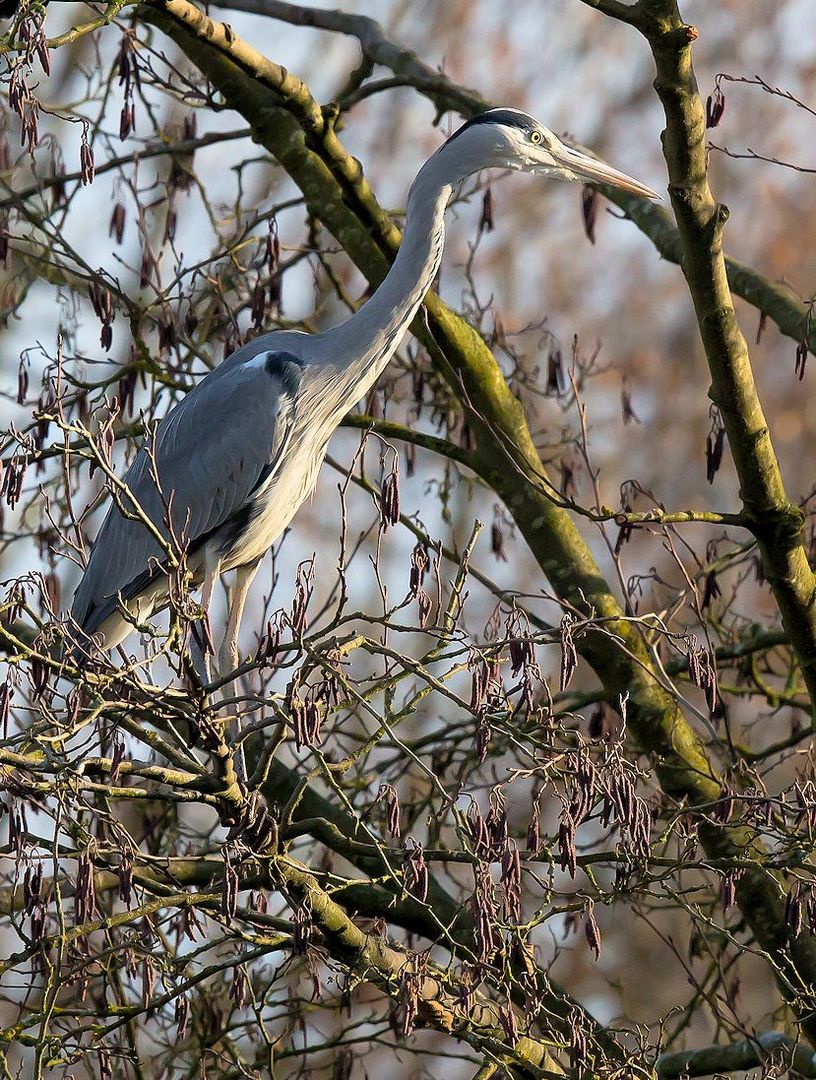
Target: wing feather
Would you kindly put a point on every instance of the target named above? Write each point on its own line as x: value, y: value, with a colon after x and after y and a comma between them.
x: 211, y: 451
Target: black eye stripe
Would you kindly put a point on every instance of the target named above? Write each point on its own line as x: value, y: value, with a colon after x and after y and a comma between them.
x: 506, y: 117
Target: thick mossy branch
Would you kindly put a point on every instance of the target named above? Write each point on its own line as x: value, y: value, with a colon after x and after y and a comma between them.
x: 776, y: 522
x: 437, y: 1001
x: 746, y: 1054
x: 285, y: 121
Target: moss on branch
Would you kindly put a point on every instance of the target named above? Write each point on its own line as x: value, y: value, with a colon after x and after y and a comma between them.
x: 289, y: 124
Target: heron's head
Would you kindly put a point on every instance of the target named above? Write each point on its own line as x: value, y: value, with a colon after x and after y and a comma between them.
x: 509, y: 139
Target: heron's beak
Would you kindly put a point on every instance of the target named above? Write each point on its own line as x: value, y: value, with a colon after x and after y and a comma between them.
x: 594, y: 171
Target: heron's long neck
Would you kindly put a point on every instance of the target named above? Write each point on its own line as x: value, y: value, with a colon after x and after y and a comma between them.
x: 367, y: 341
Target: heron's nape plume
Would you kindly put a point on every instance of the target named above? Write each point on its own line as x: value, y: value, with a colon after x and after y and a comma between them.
x: 232, y: 462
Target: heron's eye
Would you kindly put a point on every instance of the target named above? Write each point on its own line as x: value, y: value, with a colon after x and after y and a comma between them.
x: 535, y: 137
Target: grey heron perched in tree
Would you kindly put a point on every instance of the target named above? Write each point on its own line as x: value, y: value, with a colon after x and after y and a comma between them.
x: 232, y: 462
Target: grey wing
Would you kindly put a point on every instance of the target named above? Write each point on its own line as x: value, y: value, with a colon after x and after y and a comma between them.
x: 212, y: 451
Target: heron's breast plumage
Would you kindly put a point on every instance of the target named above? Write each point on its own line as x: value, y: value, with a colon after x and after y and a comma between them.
x: 272, y: 508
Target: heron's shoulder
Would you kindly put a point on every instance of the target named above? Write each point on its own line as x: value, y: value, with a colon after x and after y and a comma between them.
x: 280, y: 365
x: 291, y: 346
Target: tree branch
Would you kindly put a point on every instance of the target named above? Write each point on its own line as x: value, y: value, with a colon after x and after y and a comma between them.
x: 737, y: 1057
x: 774, y: 519
x: 288, y: 122
x: 387, y: 967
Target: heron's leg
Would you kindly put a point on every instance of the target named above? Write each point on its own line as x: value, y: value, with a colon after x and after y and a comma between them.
x: 200, y: 635
x: 228, y: 653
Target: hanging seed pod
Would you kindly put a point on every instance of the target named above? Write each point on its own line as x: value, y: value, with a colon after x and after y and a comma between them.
x: 801, y: 359
x: 534, y: 829
x: 724, y: 807
x: 170, y: 223
x: 600, y: 723
x: 479, y: 680
x: 715, y: 443
x: 415, y: 872
x: 32, y: 885
x: 258, y: 901
x: 484, y: 733
x: 303, y: 925
x: 556, y: 377
x: 794, y: 908
x: 728, y: 891
x: 146, y: 269
x: 711, y: 589
x: 468, y: 983
x: 694, y: 659
x: 569, y: 471
x: 85, y: 892
x: 30, y: 127
x: 148, y: 980
x: 511, y: 880
x: 566, y: 845
x: 126, y: 118
x: 424, y: 607
x: 307, y: 719
x: 105, y: 1067
x: 589, y: 210
x: 297, y: 713
x: 181, y: 1015
x: 272, y: 259
x: 86, y: 159
x: 39, y: 676
x: 498, y: 337
x: 52, y: 590
x: 168, y: 336
x: 569, y: 654
x: 313, y: 964
x: 22, y: 382
x: 389, y: 794
x: 484, y: 911
x: 521, y: 653
x: 303, y: 591
x: 420, y: 560
x: 124, y: 872
x: 389, y: 497
x: 497, y: 537
x: 591, y: 929
x: 579, y: 1048
x: 127, y: 390
x: 5, y: 244
x: 5, y: 706
x: 478, y: 831
x: 628, y: 413
x: 270, y: 642
x: 507, y: 1019
x: 229, y: 887
x: 405, y: 1015
x: 258, y: 305
x: 486, y: 220
x: 496, y: 823
x: 715, y: 107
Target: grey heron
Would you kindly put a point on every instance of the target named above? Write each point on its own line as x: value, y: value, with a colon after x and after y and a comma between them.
x: 231, y: 463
